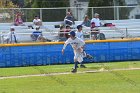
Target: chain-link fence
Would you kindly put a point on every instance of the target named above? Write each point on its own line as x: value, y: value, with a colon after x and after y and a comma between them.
x: 58, y: 14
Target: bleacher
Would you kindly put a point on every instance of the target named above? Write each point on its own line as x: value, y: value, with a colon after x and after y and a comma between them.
x: 123, y: 29
x: 130, y: 27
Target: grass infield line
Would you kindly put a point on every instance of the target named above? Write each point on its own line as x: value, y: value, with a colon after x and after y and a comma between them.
x: 65, y: 73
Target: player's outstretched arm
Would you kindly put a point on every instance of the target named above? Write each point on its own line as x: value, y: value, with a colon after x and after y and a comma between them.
x: 65, y: 44
x: 63, y: 48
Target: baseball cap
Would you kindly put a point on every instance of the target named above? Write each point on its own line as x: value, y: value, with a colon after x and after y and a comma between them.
x: 72, y: 33
x: 96, y: 14
x: 79, y: 26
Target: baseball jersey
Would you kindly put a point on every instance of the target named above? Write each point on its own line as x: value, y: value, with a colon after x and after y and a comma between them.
x: 76, y: 43
x: 80, y: 35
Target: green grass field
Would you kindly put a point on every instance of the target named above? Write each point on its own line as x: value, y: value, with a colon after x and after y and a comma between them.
x: 98, y: 82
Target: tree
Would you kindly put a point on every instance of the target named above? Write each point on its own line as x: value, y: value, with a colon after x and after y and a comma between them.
x: 47, y: 13
x: 6, y: 4
x: 46, y: 3
x: 7, y: 15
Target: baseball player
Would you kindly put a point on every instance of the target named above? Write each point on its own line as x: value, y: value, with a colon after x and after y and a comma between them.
x: 79, y: 34
x: 77, y: 45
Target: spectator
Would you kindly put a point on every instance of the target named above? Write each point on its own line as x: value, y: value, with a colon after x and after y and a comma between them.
x: 11, y: 37
x: 86, y: 21
x: 18, y: 21
x: 95, y: 22
x: 69, y: 19
x: 37, y: 21
x: 36, y: 34
x: 69, y: 10
x: 68, y: 29
x: 64, y: 33
x: 19, y: 13
x: 61, y: 34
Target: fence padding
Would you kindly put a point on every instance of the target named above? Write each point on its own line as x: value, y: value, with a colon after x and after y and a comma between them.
x: 47, y: 54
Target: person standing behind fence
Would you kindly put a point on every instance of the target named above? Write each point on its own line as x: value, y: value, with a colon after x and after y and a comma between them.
x: 77, y: 45
x: 11, y: 36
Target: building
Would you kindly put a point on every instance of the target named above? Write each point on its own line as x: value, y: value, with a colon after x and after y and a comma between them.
x: 132, y: 2
x: 135, y: 12
x: 79, y: 12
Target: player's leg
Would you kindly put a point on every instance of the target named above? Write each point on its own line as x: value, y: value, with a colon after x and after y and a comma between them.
x: 74, y: 70
x: 75, y: 62
x: 82, y: 65
x: 87, y: 55
x: 80, y: 60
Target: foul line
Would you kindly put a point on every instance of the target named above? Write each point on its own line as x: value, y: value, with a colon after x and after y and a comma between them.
x: 65, y: 73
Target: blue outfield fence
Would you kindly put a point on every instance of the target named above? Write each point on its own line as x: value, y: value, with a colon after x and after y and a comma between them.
x: 12, y: 55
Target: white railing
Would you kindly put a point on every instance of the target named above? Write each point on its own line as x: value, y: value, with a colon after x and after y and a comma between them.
x: 110, y: 33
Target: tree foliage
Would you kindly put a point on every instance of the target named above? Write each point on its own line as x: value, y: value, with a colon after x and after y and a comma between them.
x: 6, y: 4
x: 46, y: 3
x: 47, y: 13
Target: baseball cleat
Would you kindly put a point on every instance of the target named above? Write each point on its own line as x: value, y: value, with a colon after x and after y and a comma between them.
x: 89, y: 56
x: 83, y: 66
x: 74, y: 70
x: 77, y: 66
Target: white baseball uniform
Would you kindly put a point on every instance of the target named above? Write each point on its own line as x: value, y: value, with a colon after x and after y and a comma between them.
x: 80, y: 35
x: 76, y: 44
